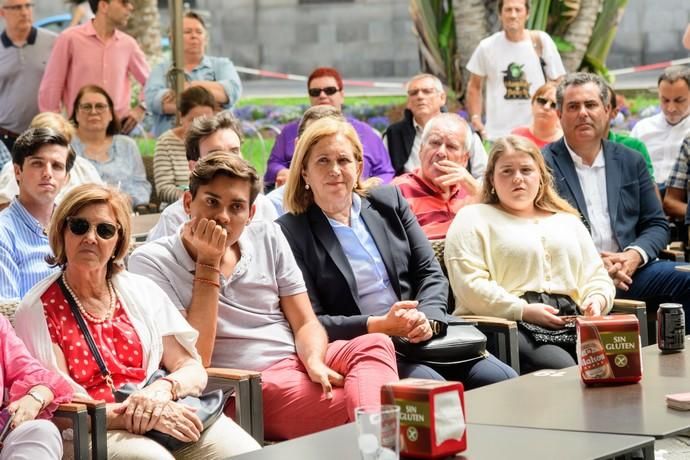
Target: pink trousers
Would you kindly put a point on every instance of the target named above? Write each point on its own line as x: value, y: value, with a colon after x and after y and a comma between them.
x: 295, y: 406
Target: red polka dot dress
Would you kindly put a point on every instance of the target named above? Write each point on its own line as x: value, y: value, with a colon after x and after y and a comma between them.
x: 115, y: 338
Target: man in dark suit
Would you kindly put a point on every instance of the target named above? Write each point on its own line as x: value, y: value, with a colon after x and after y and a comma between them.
x: 425, y: 100
x: 611, y: 187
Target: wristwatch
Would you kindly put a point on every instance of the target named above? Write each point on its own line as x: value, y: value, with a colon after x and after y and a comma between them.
x: 38, y: 397
x: 437, y: 328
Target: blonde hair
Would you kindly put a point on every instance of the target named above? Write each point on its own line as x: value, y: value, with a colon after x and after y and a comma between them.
x: 75, y: 200
x: 297, y: 198
x: 54, y: 121
x: 547, y: 198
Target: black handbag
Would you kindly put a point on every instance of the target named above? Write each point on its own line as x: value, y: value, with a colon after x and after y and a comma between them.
x: 566, y: 307
x: 461, y: 343
x: 208, y: 407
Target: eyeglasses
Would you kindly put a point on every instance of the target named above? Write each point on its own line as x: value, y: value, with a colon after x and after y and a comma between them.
x: 329, y: 90
x: 23, y: 6
x: 79, y: 226
x: 98, y: 107
x: 547, y: 104
x: 425, y: 91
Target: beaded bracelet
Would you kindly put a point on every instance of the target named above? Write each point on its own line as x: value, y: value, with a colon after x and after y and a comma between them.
x: 210, y: 267
x: 205, y: 281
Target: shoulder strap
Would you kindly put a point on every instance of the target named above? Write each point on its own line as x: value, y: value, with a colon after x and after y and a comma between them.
x: 87, y: 335
x: 539, y: 49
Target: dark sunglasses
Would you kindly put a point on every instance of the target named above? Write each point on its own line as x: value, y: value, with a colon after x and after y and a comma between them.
x: 329, y: 90
x: 80, y: 226
x: 542, y: 101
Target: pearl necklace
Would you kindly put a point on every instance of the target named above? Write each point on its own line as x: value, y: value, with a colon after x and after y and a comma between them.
x: 84, y: 313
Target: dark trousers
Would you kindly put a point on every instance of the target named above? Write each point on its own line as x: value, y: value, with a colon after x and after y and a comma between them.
x: 659, y: 282
x: 536, y: 356
x: 473, y: 374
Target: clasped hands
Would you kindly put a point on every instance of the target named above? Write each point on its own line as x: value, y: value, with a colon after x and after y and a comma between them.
x: 547, y: 316
x: 403, y: 320
x: 621, y: 266
x: 152, y: 408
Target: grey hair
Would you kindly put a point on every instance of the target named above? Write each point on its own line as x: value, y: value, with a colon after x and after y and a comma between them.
x: 451, y: 118
x: 438, y: 84
x: 674, y: 73
x: 579, y: 79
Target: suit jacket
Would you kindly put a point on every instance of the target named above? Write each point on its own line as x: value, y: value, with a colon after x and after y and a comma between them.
x: 414, y: 272
x: 635, y: 212
x: 400, y: 138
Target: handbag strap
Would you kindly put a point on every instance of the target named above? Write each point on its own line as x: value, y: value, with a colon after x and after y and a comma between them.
x: 107, y: 376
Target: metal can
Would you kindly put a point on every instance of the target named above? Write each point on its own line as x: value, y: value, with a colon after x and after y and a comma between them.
x: 670, y: 328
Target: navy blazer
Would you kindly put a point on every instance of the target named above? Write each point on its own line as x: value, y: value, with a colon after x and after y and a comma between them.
x: 637, y: 218
x: 399, y: 138
x: 414, y: 272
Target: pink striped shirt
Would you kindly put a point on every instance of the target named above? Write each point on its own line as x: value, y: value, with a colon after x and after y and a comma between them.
x: 80, y: 58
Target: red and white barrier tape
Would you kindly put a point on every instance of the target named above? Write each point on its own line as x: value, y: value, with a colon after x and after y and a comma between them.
x: 292, y: 76
x: 642, y: 68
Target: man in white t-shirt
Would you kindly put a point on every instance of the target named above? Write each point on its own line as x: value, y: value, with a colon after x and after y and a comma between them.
x: 664, y: 132
x: 509, y: 61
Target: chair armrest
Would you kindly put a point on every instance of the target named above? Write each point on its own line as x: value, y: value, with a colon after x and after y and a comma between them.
x: 672, y: 255
x: 639, y: 309
x: 78, y: 415
x: 248, y: 397
x: 491, y: 321
x: 231, y: 374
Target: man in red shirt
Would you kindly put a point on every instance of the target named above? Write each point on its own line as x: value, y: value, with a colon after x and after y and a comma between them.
x: 441, y: 185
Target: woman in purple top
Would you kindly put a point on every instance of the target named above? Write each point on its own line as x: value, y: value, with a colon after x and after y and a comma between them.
x: 325, y: 87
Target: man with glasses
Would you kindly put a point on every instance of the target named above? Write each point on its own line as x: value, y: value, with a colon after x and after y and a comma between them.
x: 42, y: 160
x: 23, y: 57
x: 325, y: 87
x: 425, y: 100
x: 97, y: 53
x: 514, y: 62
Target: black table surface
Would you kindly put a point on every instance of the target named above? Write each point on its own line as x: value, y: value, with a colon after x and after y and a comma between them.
x: 558, y: 400
x: 484, y: 442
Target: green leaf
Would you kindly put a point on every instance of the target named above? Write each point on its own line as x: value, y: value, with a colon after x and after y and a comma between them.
x: 563, y: 45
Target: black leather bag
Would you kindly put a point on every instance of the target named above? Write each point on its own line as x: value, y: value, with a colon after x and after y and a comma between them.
x: 462, y: 343
x: 208, y: 407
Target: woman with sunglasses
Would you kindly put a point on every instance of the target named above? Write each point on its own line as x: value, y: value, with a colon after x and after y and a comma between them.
x: 545, y: 127
x: 131, y: 323
x: 115, y: 157
x: 325, y: 87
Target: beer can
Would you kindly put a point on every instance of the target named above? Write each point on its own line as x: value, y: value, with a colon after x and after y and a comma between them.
x: 670, y: 328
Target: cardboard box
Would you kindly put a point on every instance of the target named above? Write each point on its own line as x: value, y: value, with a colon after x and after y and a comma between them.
x: 432, y: 416
x: 608, y: 349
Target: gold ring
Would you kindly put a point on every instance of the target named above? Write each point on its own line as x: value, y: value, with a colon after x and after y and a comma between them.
x: 148, y: 412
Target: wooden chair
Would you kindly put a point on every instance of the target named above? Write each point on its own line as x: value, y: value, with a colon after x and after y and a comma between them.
x: 501, y: 334
x: 248, y: 397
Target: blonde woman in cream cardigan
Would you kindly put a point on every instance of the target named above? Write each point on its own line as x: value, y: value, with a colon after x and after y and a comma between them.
x: 523, y: 252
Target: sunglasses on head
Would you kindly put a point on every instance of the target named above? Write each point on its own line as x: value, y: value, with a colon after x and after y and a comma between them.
x: 80, y: 226
x: 329, y: 90
x: 542, y: 101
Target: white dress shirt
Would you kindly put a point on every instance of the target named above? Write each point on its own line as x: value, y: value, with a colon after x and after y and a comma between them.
x: 663, y: 142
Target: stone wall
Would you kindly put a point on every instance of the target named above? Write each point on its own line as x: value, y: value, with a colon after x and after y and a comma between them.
x: 373, y: 38
x: 650, y: 31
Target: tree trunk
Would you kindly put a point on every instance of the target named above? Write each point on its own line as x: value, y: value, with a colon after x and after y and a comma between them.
x: 144, y: 26
x: 471, y: 26
x: 579, y: 33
